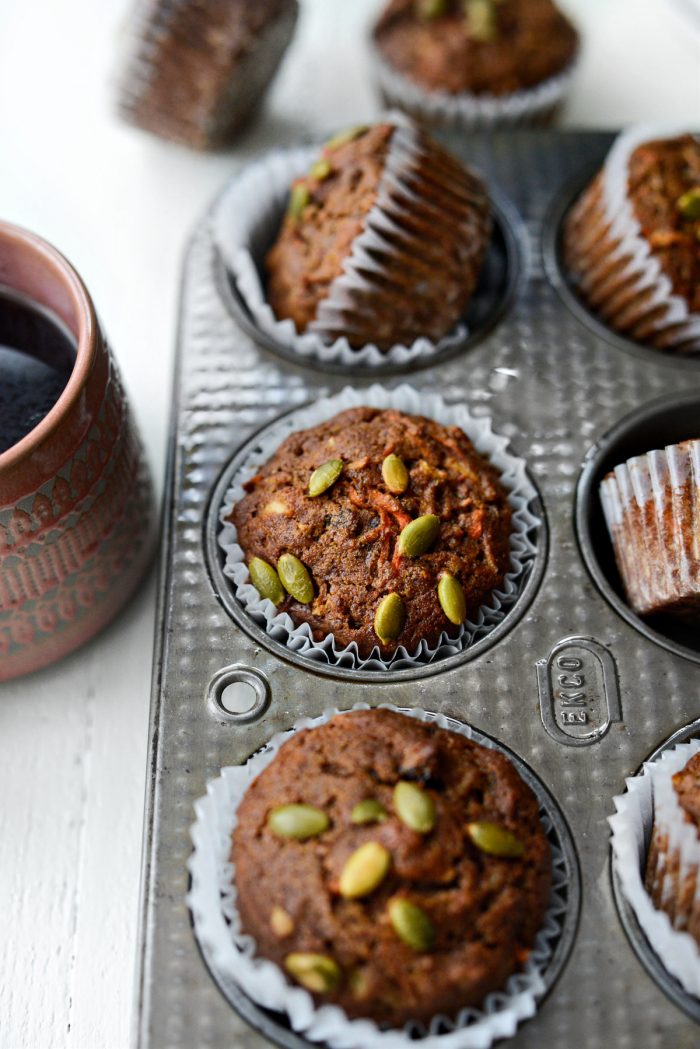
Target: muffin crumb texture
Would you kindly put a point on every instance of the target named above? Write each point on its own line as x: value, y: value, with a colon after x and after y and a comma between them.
x: 426, y: 886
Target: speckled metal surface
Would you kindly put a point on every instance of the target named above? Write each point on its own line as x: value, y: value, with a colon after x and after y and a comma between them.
x: 554, y: 386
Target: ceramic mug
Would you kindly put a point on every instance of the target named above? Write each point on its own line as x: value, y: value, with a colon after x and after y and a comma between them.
x: 76, y: 500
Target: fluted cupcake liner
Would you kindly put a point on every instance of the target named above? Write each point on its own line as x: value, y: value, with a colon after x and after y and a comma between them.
x: 652, y: 509
x: 615, y: 269
x: 650, y: 801
x: 250, y: 213
x: 471, y: 112
x: 212, y: 902
x: 513, y: 475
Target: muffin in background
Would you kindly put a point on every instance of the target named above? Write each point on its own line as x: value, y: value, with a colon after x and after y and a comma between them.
x: 391, y: 867
x: 474, y: 62
x: 380, y: 528
x: 651, y: 505
x: 383, y: 240
x: 199, y: 67
x: 632, y: 241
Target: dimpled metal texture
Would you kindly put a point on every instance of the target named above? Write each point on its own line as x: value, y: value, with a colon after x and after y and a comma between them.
x: 553, y: 387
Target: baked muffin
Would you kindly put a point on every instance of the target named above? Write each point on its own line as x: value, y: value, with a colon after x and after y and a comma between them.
x: 632, y: 241
x: 383, y: 240
x: 393, y: 868
x: 674, y: 854
x: 652, y: 509
x: 200, y: 67
x: 385, y: 529
x: 471, y: 50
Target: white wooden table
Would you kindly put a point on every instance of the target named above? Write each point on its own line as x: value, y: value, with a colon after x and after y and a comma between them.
x: 73, y: 738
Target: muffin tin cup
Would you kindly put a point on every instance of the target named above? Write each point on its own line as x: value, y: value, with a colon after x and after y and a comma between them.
x: 526, y: 531
x: 650, y: 799
x: 470, y: 112
x: 247, y: 219
x: 620, y: 276
x: 231, y: 953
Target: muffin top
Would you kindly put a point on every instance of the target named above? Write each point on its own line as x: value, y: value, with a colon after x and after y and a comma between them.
x: 664, y: 190
x: 686, y: 784
x: 352, y: 536
x: 484, y: 47
x: 419, y: 219
x: 413, y: 880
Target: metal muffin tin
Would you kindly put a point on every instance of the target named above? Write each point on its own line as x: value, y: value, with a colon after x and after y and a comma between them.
x: 575, y: 688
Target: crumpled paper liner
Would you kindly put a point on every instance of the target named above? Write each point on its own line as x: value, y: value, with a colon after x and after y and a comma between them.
x: 280, y: 626
x: 615, y: 270
x: 651, y: 801
x: 212, y: 902
x: 535, y: 105
x: 249, y: 214
x: 652, y: 508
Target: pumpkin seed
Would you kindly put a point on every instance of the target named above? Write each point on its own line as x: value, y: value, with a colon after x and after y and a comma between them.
x: 315, y: 972
x: 281, y: 922
x: 495, y: 840
x: 689, y: 203
x: 411, y: 924
x: 297, y: 821
x: 452, y: 599
x: 295, y: 578
x: 324, y: 476
x: 265, y: 580
x: 298, y: 199
x: 320, y: 170
x: 364, y: 870
x: 429, y: 9
x: 348, y: 135
x: 368, y: 811
x: 414, y: 807
x: 389, y: 618
x: 481, y: 20
x: 419, y: 535
x: 395, y: 474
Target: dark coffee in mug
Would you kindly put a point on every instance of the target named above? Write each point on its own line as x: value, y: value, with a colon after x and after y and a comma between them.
x: 37, y: 354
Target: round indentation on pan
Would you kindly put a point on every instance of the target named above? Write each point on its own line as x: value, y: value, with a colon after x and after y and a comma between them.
x: 275, y: 1027
x: 224, y: 589
x: 496, y: 287
x: 667, y: 420
x: 640, y: 944
x: 239, y: 694
x: 564, y: 284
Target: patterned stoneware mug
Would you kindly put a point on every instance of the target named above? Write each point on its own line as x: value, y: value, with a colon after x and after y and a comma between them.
x: 76, y: 501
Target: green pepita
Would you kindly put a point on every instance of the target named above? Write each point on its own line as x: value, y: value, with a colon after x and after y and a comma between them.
x: 368, y: 811
x: 429, y: 9
x: 348, y: 135
x: 295, y: 578
x: 689, y: 203
x: 365, y: 870
x: 324, y: 476
x: 419, y: 535
x: 320, y: 170
x: 315, y: 972
x: 298, y: 821
x: 298, y: 200
x: 411, y: 924
x: 395, y: 474
x: 482, y: 24
x: 452, y: 599
x: 495, y: 840
x: 265, y: 580
x: 414, y: 806
x: 390, y: 617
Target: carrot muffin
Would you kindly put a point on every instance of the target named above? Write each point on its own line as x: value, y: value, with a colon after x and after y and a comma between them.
x: 201, y: 66
x: 391, y: 867
x: 383, y: 240
x: 652, y: 506
x: 632, y: 242
x: 380, y: 528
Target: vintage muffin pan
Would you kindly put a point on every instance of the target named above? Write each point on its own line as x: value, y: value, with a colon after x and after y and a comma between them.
x: 574, y: 685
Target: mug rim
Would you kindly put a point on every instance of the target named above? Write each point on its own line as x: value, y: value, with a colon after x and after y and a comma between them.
x: 86, y: 341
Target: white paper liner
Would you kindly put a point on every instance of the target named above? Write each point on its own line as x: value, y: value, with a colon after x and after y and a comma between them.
x: 651, y: 505
x: 631, y: 826
x: 466, y: 110
x: 280, y: 626
x: 640, y: 266
x: 244, y: 225
x: 212, y: 901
